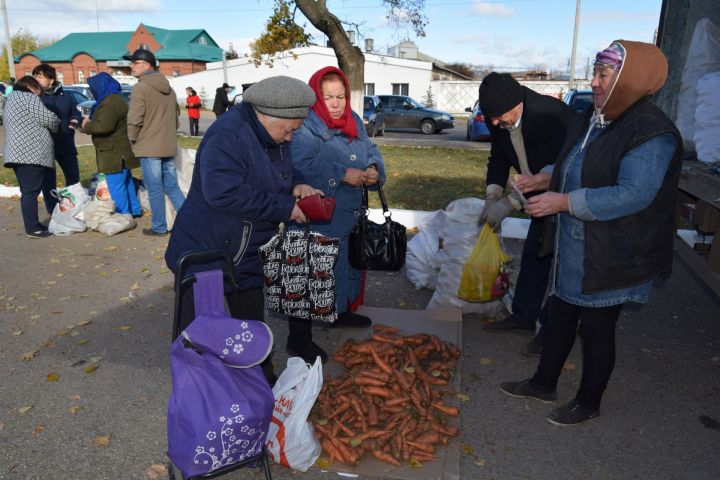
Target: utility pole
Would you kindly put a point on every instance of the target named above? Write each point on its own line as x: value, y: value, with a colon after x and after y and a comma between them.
x: 574, y: 46
x: 8, y: 42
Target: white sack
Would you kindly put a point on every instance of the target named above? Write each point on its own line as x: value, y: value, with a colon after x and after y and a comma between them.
x: 707, y: 118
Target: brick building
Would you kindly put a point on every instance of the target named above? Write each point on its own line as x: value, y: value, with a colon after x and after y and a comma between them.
x: 78, y: 56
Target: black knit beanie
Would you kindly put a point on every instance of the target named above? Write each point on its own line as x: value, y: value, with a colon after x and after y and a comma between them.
x: 499, y: 93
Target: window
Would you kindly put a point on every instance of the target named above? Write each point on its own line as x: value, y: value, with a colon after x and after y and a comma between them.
x: 175, y: 73
x: 144, y: 46
x: 369, y: 89
x: 92, y: 73
x: 401, y: 88
x: 202, y: 41
x: 81, y: 76
x: 61, y: 77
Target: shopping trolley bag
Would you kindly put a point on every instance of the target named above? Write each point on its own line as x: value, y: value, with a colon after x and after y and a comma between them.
x: 221, y: 404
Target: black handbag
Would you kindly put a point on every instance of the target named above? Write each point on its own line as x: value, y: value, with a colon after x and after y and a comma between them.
x: 376, y: 246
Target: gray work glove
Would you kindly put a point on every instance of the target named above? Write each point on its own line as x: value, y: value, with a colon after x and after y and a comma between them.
x: 497, y: 212
x: 490, y: 200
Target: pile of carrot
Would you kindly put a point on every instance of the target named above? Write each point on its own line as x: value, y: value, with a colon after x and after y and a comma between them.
x: 389, y: 401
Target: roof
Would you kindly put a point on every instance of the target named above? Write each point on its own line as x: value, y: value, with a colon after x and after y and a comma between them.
x: 177, y: 45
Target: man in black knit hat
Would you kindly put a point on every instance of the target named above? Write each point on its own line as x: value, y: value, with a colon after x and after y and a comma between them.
x: 527, y: 131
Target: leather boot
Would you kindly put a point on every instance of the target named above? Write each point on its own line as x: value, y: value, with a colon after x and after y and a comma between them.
x: 300, y: 343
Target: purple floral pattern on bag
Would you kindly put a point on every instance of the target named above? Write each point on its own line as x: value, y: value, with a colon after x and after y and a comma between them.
x: 238, y: 441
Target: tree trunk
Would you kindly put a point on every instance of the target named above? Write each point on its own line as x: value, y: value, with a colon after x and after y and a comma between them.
x: 350, y: 58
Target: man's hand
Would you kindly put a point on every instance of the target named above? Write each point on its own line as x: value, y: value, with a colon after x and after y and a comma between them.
x: 532, y: 183
x: 298, y: 215
x: 490, y: 200
x: 355, y: 177
x: 303, y: 190
x: 497, y: 212
x: 548, y: 203
x: 85, y: 121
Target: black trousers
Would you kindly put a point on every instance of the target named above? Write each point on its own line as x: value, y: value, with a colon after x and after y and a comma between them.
x: 247, y: 305
x: 32, y: 179
x: 597, y: 332
x: 194, y: 126
x: 533, y: 278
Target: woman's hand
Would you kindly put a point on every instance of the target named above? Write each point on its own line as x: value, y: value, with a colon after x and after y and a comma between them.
x: 85, y: 121
x: 303, y: 190
x: 355, y: 177
x: 298, y: 215
x: 372, y: 175
x: 548, y: 203
x: 532, y: 183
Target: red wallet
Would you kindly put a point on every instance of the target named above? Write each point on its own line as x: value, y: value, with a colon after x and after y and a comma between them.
x: 317, y: 208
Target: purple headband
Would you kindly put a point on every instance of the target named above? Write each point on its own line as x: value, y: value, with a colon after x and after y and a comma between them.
x: 612, y: 56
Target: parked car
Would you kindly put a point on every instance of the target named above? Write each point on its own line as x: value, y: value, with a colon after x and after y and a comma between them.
x: 82, y: 88
x: 374, y: 116
x: 476, y: 128
x: 87, y: 105
x: 76, y: 95
x: 405, y: 112
x: 579, y: 100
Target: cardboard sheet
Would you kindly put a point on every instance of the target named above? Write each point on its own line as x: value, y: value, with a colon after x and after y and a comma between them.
x: 446, y: 323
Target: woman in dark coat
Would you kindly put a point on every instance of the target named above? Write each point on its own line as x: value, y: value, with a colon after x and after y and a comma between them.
x: 108, y: 126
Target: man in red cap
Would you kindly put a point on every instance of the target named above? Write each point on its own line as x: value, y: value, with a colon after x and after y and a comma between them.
x: 527, y: 130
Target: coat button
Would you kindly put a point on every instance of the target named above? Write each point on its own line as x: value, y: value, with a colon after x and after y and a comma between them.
x: 326, y: 135
x: 353, y: 157
x: 331, y: 182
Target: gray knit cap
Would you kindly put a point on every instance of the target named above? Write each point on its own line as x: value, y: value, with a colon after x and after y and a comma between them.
x: 281, y: 97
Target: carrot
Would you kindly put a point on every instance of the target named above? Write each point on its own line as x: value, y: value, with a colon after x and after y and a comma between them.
x: 350, y: 456
x: 446, y: 409
x: 404, y: 448
x: 423, y: 447
x: 382, y: 376
x: 345, y: 429
x: 372, y: 434
x: 378, y: 391
x: 380, y: 362
x: 341, y: 409
x: 332, y: 450
x: 362, y: 380
x: 372, y: 413
x: 386, y: 457
x: 436, y: 343
x: 397, y: 401
x: 398, y: 342
x: 445, y: 430
x: 379, y: 327
x: 432, y: 437
x: 423, y: 457
x: 356, y: 360
x: 409, y: 427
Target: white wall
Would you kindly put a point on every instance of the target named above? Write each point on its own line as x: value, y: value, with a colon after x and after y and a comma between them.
x: 381, y: 70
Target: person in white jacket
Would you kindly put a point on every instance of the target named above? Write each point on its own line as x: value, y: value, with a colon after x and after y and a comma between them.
x: 28, y: 148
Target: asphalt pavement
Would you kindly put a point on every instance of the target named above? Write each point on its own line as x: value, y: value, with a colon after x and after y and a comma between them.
x: 86, y: 323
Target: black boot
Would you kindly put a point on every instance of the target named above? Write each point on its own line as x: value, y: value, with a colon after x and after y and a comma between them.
x: 351, y: 319
x: 299, y: 342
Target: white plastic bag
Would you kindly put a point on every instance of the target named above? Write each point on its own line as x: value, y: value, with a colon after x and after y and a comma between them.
x: 291, y: 441
x: 707, y: 118
x: 67, y: 219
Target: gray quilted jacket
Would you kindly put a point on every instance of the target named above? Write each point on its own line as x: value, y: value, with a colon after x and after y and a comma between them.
x: 27, y: 131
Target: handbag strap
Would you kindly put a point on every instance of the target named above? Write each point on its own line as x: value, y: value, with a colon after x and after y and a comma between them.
x: 383, y: 202
x: 209, y: 293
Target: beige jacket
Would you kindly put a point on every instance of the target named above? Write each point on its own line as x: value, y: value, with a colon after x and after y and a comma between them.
x: 152, y: 120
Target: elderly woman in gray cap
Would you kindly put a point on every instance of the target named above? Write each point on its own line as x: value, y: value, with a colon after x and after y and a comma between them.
x: 244, y: 185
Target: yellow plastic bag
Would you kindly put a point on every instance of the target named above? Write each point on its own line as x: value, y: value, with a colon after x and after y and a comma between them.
x: 482, y: 268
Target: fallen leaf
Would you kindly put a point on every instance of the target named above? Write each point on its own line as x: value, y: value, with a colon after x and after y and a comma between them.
x: 569, y: 365
x: 91, y: 368
x: 150, y: 305
x: 18, y: 333
x: 467, y: 449
x: 34, y: 317
x: 60, y: 275
x: 462, y: 397
x: 101, y: 441
x: 480, y: 462
x: 24, y: 410
x: 53, y: 377
x: 92, y: 312
x: 125, y: 299
x: 62, y: 299
x: 27, y: 356
x: 355, y: 442
x: 83, y: 341
x: 135, y: 286
x: 117, y: 270
x: 51, y: 282
x: 414, y: 462
x: 144, y: 269
x: 63, y: 333
x: 125, y: 328
x: 75, y: 409
x: 322, y: 421
x: 103, y: 274
x: 2, y: 425
x: 158, y: 257
x: 156, y: 471
x: 48, y: 343
x: 485, y: 361
x: 75, y: 398
x: 74, y: 333
x: 82, y: 323
x: 323, y: 462
x: 10, y: 299
x: 95, y: 359
x: 111, y: 248
x: 54, y: 260
x: 39, y: 429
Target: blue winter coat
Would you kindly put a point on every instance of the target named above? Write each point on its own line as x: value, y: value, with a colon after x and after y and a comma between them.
x: 240, y: 192
x: 323, y: 155
x: 63, y: 105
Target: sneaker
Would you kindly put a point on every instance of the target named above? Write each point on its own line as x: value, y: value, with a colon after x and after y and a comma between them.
x: 571, y: 414
x: 525, y: 389
x: 39, y: 234
x: 153, y: 233
x: 509, y: 324
x: 534, y: 348
x: 307, y: 352
x: 349, y: 319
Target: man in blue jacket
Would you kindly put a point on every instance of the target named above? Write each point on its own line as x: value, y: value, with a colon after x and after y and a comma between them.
x: 243, y: 186
x: 62, y: 105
